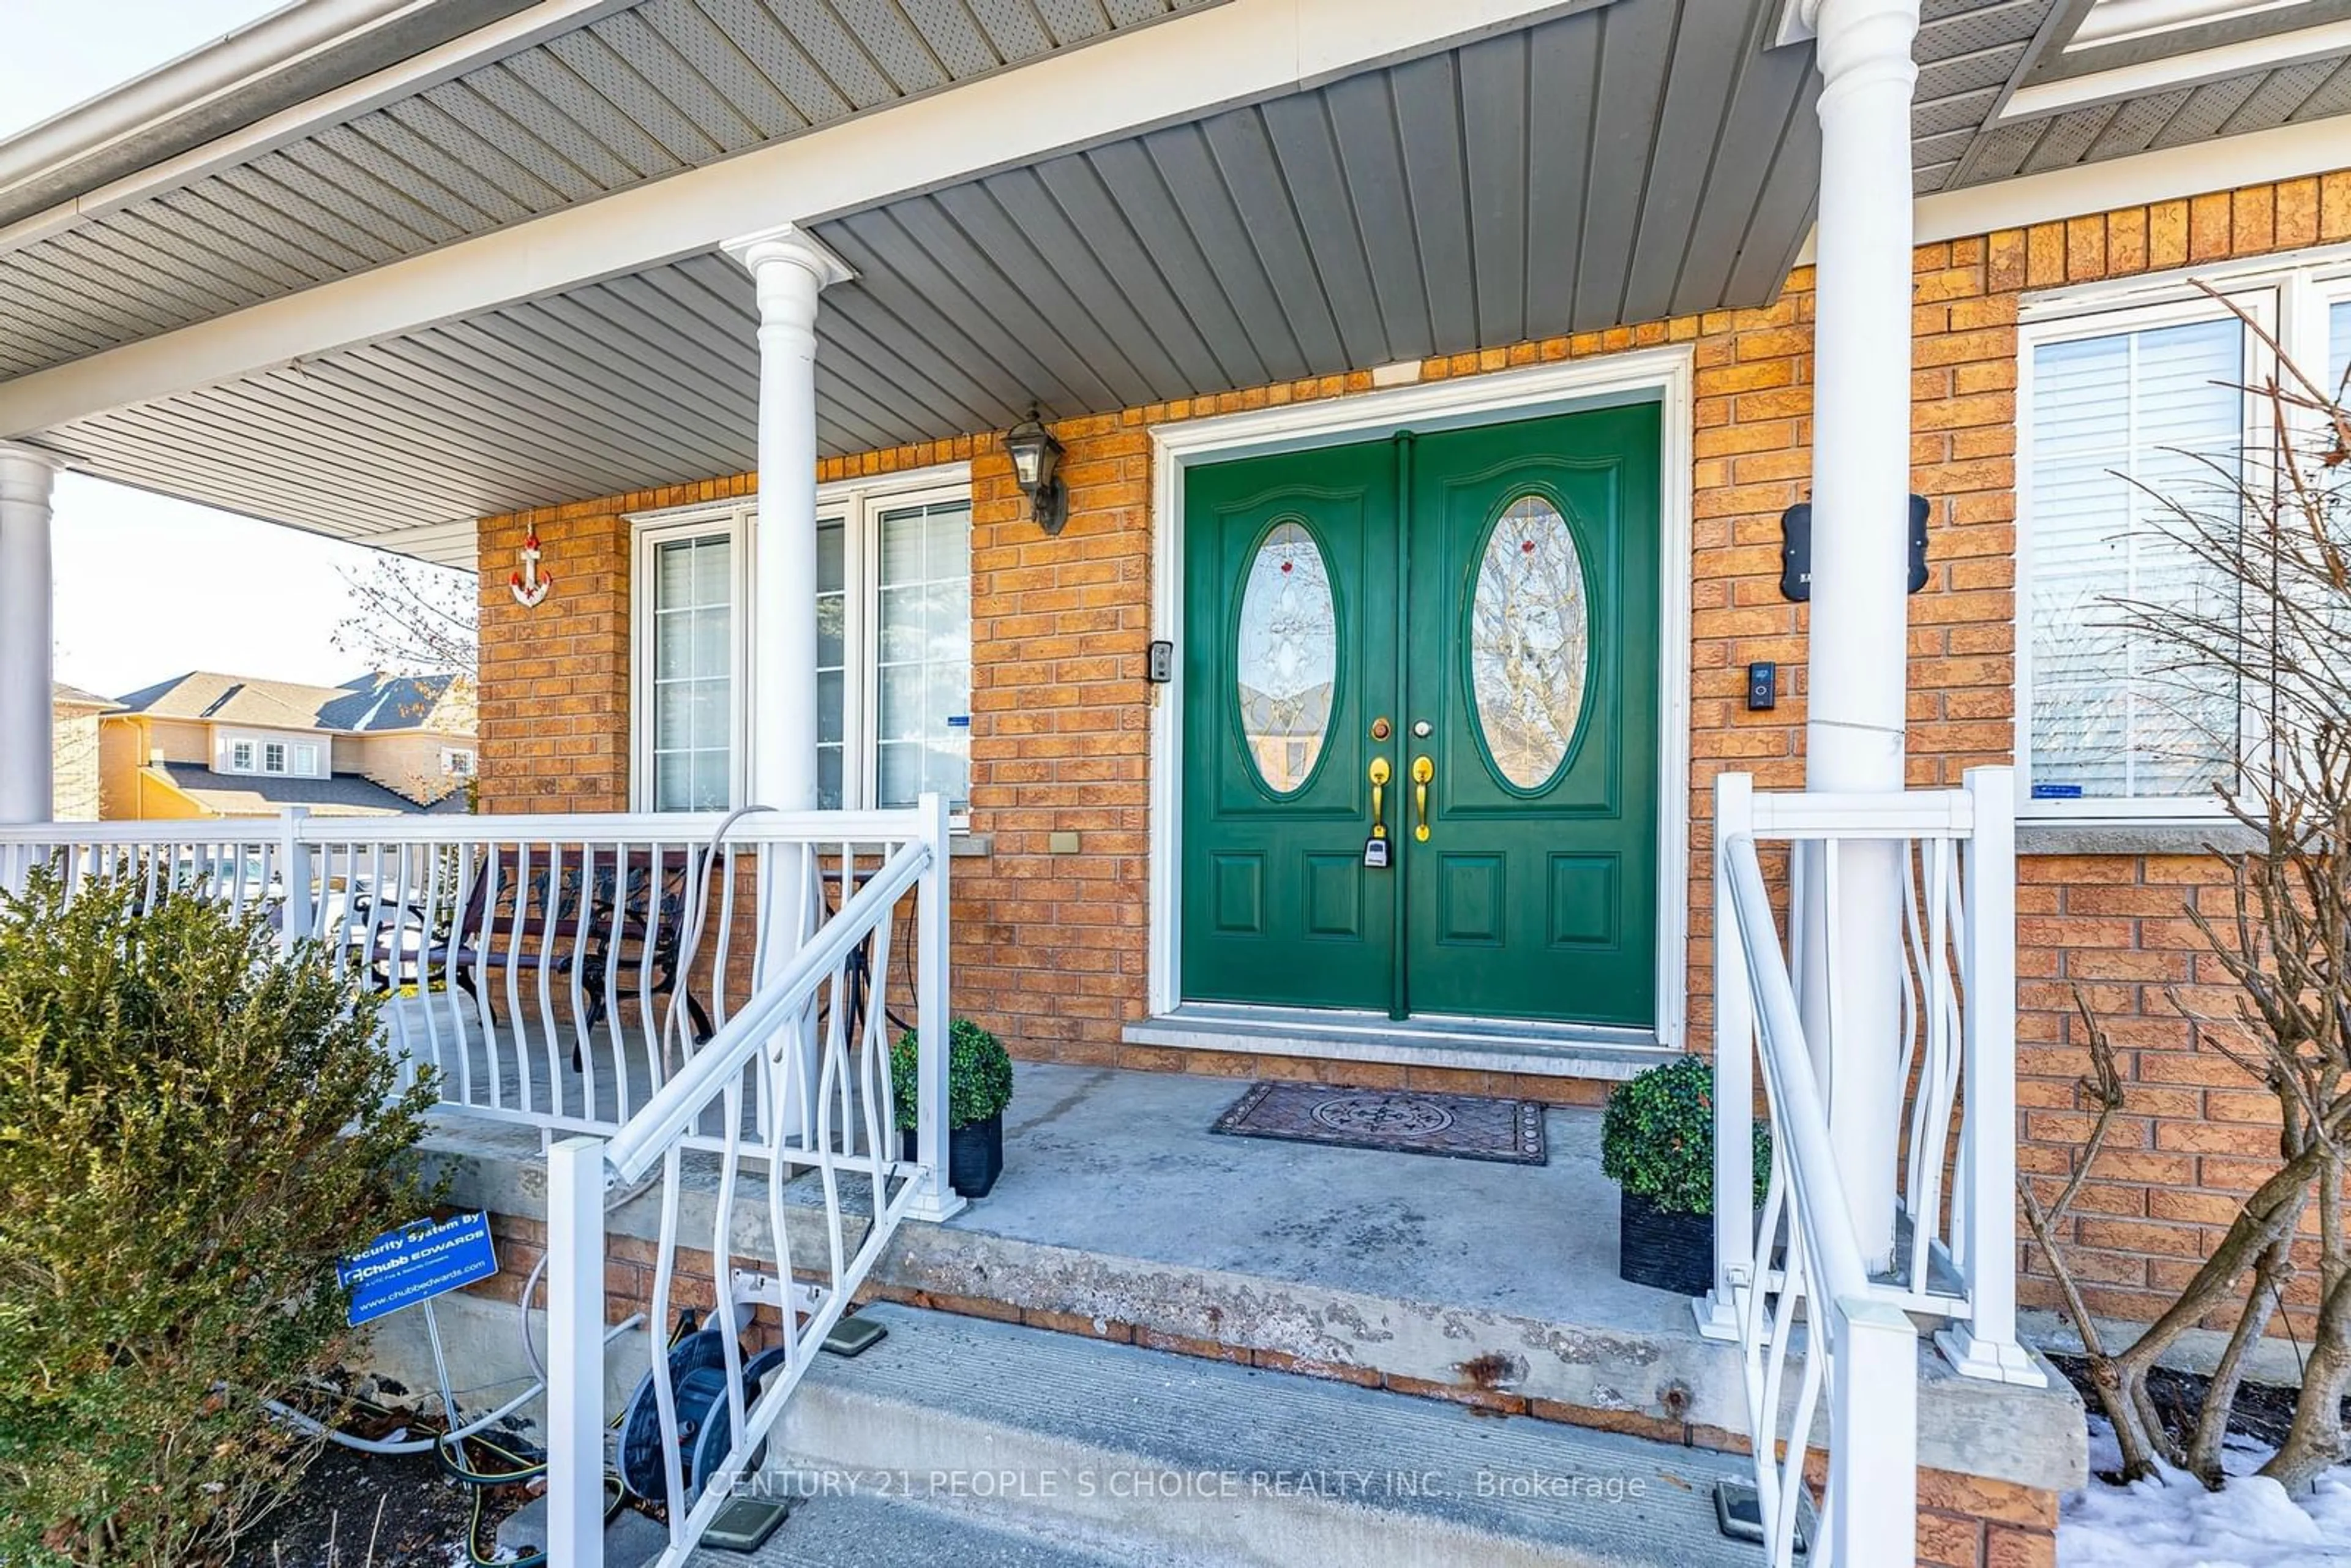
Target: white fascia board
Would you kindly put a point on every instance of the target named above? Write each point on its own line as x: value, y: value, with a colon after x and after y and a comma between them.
x: 2224, y: 163
x: 443, y: 544
x: 1187, y: 67
x: 2126, y: 21
x: 2169, y: 72
x: 2174, y: 174
x: 204, y: 75
x: 548, y: 19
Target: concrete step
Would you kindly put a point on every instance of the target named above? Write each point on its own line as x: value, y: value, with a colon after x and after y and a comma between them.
x: 1172, y: 1458
x: 873, y: 1530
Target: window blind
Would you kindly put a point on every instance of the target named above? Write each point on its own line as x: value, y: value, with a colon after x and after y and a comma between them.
x: 2122, y: 424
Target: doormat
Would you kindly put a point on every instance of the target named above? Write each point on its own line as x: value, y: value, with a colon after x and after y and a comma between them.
x: 1456, y: 1126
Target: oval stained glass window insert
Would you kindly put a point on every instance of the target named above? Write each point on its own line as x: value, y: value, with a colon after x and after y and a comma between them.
x: 1288, y: 658
x: 1530, y: 641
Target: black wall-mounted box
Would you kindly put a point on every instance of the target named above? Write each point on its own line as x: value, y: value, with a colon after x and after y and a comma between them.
x: 1796, y: 549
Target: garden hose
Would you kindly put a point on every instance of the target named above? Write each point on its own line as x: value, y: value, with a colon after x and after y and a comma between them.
x: 450, y: 1456
x: 448, y: 1444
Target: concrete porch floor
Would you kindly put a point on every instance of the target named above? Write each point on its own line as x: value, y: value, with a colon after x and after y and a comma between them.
x: 1116, y: 1163
x: 1118, y: 1215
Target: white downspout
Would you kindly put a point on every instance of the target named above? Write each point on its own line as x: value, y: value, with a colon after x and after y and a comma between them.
x: 1857, y: 664
x: 27, y: 635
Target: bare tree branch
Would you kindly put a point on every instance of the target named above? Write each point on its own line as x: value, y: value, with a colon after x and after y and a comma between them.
x: 409, y: 617
x: 2249, y: 646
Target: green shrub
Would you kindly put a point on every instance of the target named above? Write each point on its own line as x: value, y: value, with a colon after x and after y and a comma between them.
x: 979, y: 1075
x: 1656, y: 1140
x: 192, y: 1129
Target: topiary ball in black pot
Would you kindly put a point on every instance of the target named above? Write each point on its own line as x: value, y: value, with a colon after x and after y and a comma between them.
x: 979, y: 1086
x: 1656, y: 1143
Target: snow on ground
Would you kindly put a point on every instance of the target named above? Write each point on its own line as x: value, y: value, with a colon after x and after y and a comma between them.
x: 2175, y: 1524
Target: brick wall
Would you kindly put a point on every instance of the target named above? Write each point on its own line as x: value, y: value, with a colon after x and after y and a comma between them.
x: 553, y: 717
x: 1051, y: 950
x: 2195, y: 1131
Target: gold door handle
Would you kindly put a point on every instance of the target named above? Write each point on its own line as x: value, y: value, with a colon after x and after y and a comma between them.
x: 1381, y: 774
x: 1423, y: 770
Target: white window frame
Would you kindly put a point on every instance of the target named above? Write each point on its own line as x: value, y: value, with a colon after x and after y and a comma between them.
x: 2290, y: 298
x: 276, y: 756
x: 303, y: 758
x: 242, y: 756
x: 651, y: 531
x: 2325, y: 293
x: 457, y: 762
x: 857, y: 503
x: 858, y: 506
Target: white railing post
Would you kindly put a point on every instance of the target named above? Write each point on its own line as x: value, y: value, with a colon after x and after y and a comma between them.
x: 297, y: 914
x: 1984, y: 1190
x: 934, y: 1017
x: 1734, y: 1077
x: 1874, y: 1435
x: 575, y: 1353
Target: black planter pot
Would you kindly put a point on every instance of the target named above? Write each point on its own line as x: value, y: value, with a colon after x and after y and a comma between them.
x: 974, y: 1154
x: 1667, y: 1252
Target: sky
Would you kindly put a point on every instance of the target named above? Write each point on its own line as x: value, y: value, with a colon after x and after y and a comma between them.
x: 148, y: 588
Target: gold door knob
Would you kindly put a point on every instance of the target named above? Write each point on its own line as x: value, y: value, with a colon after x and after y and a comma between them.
x: 1381, y: 774
x: 1422, y: 771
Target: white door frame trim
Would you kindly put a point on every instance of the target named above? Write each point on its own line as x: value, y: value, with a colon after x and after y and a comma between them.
x: 1663, y: 376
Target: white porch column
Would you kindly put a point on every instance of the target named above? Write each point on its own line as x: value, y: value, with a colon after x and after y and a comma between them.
x: 1858, y: 665
x: 27, y: 637
x: 790, y: 270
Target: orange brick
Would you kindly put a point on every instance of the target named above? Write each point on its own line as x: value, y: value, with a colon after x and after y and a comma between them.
x: 1052, y: 949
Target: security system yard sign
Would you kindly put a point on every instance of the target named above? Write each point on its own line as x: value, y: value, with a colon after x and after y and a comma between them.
x: 417, y: 1262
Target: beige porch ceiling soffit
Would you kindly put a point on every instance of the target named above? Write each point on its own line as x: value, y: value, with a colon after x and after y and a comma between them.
x: 1187, y: 67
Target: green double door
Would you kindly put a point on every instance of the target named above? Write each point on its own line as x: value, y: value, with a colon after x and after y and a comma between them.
x: 1420, y: 724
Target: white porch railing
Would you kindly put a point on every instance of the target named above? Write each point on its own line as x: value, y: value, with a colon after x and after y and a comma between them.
x: 1955, y: 1253
x: 800, y: 1042
x: 1797, y: 1256
x: 552, y: 971
x: 699, y: 1001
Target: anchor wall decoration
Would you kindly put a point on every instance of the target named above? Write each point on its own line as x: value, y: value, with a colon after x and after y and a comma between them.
x: 529, y: 585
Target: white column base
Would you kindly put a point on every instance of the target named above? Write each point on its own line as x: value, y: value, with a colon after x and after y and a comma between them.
x: 1989, y: 1360
x: 935, y: 1200
x: 1718, y: 1317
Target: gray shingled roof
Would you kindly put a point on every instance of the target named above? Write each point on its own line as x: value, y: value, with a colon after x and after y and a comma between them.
x: 264, y: 794
x: 367, y: 704
x: 64, y: 696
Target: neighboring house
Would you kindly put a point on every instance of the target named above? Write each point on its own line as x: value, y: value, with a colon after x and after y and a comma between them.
x: 210, y: 745
x: 1335, y: 682
x: 76, y: 750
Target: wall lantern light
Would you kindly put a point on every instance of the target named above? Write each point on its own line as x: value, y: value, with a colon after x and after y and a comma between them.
x: 1035, y: 455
